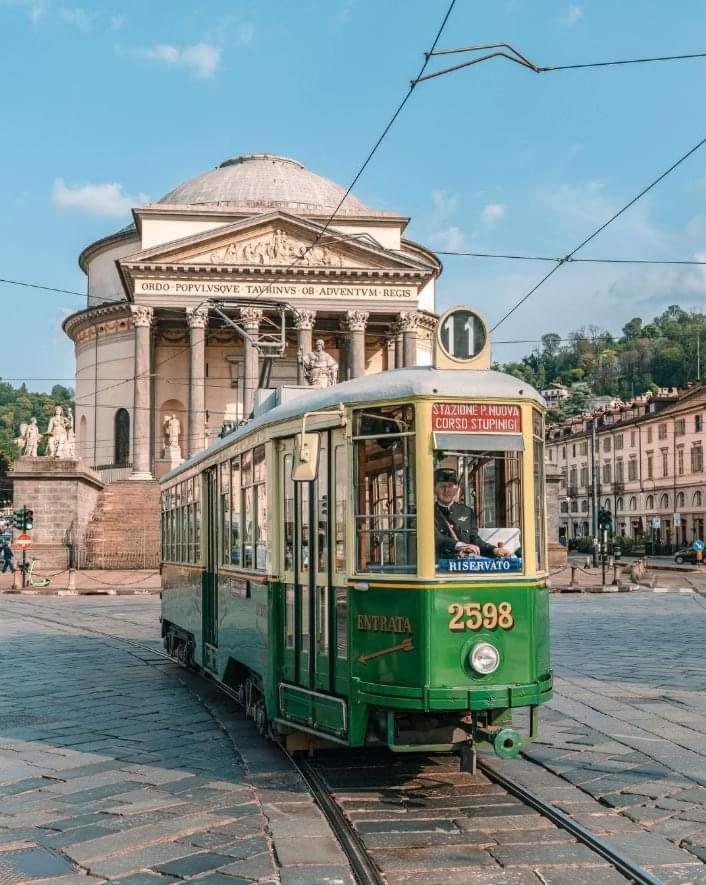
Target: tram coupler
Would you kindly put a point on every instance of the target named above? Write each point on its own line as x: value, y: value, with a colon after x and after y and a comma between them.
x: 506, y: 742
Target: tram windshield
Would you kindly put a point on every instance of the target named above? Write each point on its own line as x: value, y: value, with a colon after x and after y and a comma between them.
x: 385, y: 505
x: 477, y: 511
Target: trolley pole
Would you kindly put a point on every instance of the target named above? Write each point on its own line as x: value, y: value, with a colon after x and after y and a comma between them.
x: 594, y: 491
x: 24, y: 567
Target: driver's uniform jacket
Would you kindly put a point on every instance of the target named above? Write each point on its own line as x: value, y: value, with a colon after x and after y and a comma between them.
x: 453, y: 524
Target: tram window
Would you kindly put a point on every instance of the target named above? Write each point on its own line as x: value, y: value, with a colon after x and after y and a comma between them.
x: 304, y: 527
x: 538, y: 470
x: 288, y: 486
x: 225, y: 514
x: 340, y: 486
x: 342, y: 622
x: 385, y: 503
x: 322, y: 510
x: 234, y: 546
x: 260, y: 492
x: 247, y: 469
x: 322, y: 606
x: 304, y: 637
x: 289, y: 616
x: 197, y: 526
x: 248, y: 528
x: 477, y: 511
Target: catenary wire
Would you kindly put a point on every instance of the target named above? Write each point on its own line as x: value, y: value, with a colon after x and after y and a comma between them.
x: 599, y: 230
x: 512, y: 257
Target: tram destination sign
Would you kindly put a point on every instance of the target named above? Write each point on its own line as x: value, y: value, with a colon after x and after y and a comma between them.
x: 319, y: 291
x: 476, y: 418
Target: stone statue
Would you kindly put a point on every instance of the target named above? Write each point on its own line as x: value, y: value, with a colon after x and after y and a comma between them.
x: 28, y: 440
x: 172, y: 430
x: 70, y: 444
x: 58, y: 432
x: 320, y: 368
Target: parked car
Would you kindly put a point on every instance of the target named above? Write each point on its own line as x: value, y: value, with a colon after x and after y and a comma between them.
x: 685, y: 554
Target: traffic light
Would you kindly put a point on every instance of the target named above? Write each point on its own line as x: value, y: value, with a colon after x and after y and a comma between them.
x: 18, y: 518
x: 29, y: 519
x: 605, y: 519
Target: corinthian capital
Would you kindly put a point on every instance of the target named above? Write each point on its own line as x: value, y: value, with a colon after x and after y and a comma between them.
x: 407, y: 321
x: 197, y: 317
x: 142, y: 315
x: 356, y: 320
x: 251, y: 316
x: 304, y: 319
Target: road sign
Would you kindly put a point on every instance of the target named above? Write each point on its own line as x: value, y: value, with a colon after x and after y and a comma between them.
x: 656, y: 522
x: 23, y: 540
x: 698, y: 545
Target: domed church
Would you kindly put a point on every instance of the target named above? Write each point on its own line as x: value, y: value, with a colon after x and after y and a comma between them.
x: 243, y: 248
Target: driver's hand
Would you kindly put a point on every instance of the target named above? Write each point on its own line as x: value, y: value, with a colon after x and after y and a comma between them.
x: 501, y: 551
x: 469, y: 550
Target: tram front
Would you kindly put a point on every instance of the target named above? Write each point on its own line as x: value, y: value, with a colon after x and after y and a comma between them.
x: 449, y: 604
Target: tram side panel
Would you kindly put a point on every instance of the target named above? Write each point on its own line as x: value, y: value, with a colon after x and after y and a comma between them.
x: 243, y: 632
x: 181, y: 603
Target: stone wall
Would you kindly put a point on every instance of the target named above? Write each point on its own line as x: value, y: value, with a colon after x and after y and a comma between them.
x: 557, y: 552
x: 63, y: 495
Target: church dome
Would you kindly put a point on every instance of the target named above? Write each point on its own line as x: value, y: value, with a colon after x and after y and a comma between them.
x: 264, y: 181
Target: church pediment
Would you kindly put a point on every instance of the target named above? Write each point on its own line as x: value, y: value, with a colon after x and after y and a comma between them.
x: 276, y: 240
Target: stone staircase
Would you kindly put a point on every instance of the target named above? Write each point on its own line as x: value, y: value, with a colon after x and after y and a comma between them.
x: 124, y: 529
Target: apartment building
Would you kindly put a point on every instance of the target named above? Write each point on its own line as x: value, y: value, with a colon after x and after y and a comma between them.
x: 649, y: 455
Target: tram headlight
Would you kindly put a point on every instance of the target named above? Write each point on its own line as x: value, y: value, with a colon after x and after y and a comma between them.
x: 484, y: 658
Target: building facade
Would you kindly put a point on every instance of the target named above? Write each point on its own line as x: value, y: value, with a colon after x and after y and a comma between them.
x: 649, y: 466
x: 256, y: 237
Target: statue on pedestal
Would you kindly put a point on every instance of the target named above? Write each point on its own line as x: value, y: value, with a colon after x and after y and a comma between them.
x: 28, y: 440
x: 172, y: 430
x: 320, y: 368
x: 70, y: 444
x: 58, y: 433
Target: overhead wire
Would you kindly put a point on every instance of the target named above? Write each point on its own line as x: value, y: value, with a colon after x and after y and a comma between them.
x: 514, y: 257
x: 562, y: 261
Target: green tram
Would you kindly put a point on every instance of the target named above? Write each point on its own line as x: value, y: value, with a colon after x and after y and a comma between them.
x: 309, y: 566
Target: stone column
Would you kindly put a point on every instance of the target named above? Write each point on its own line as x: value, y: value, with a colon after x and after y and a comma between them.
x: 355, y: 323
x: 251, y: 317
x: 391, y: 349
x: 303, y: 323
x: 408, y: 327
x: 552, y: 482
x: 399, y: 350
x: 142, y: 317
x: 197, y: 320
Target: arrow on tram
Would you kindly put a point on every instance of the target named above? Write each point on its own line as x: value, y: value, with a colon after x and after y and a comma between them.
x: 402, y: 646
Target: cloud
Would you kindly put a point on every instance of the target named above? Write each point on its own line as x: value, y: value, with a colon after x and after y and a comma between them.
x: 36, y: 9
x: 492, y: 213
x: 444, y: 204
x: 78, y: 16
x: 571, y: 16
x: 116, y: 22
x: 200, y: 59
x: 95, y: 199
x: 344, y: 14
x: 452, y: 239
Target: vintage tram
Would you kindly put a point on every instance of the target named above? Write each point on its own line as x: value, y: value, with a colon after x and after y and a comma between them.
x: 310, y: 566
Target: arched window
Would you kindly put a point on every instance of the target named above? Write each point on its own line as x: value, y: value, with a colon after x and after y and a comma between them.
x: 121, y: 438
x: 584, y: 507
x: 664, y: 502
x: 606, y: 504
x: 650, y: 503
x: 680, y: 500
x: 619, y: 506
x: 564, y: 506
x: 697, y: 499
x: 633, y: 503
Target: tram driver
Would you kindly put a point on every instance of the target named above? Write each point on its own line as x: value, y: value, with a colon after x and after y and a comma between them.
x: 455, y: 527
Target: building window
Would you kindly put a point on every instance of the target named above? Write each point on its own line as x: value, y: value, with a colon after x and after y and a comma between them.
x: 633, y: 438
x: 619, y: 505
x: 697, y: 459
x: 619, y: 470
x: 584, y: 475
x: 662, y: 431
x: 649, y: 434
x: 574, y: 506
x: 606, y: 444
x: 584, y: 448
x: 650, y: 503
x: 650, y: 466
x: 573, y: 450
x: 665, y: 461
x: 664, y: 502
x: 564, y: 506
x: 563, y: 453
x: 551, y: 454
x: 633, y: 503
x: 606, y: 471
x: 632, y: 469
x: 584, y: 507
x: 680, y: 427
x: 680, y: 460
x: 697, y: 499
x: 698, y: 423
x: 619, y: 441
x: 121, y: 438
x: 680, y: 501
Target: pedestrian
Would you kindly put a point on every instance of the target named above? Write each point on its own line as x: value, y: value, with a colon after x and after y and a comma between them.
x: 8, y: 557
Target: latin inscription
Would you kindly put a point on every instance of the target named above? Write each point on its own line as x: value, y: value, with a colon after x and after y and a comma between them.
x: 255, y: 290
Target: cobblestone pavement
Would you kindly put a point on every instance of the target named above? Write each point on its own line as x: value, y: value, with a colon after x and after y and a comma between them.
x: 627, y: 724
x: 116, y: 765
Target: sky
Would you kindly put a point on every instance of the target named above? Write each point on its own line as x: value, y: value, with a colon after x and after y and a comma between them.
x: 109, y: 104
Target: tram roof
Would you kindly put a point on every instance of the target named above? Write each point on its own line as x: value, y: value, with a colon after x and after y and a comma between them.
x: 394, y: 384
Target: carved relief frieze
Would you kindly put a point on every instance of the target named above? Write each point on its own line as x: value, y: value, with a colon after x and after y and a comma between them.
x: 277, y: 248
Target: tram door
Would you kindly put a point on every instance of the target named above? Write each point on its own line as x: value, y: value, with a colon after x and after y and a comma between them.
x: 209, y: 587
x: 309, y: 577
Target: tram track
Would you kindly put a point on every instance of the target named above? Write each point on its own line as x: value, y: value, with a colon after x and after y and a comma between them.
x: 353, y: 792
